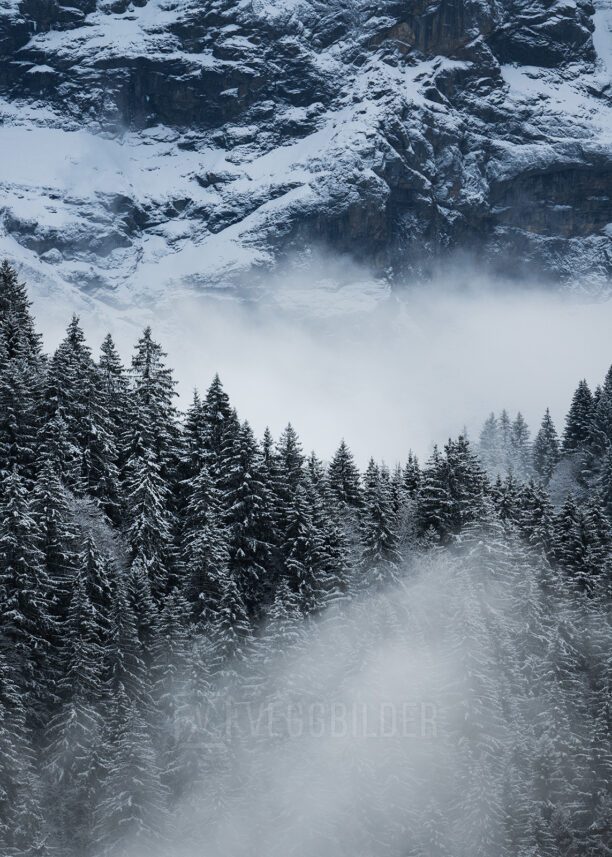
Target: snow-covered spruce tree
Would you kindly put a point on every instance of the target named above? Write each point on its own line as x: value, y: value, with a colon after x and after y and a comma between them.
x: 582, y: 543
x: 520, y: 449
x: 596, y: 536
x: 58, y: 542
x: 16, y: 319
x: 398, y: 491
x: 220, y: 421
x: 412, y: 476
x: 291, y: 458
x: 536, y: 519
x: 72, y: 738
x: 505, y: 442
x: 380, y: 556
x: 26, y: 624
x: 434, y: 497
x: 467, y: 484
x: 248, y: 520
x: 599, y: 440
x: 284, y: 623
x: 452, y: 490
x: 273, y: 477
x: 204, y: 551
x: 113, y: 383
x: 231, y: 633
x: 126, y: 673
x: 489, y: 446
x: 21, y: 375
x: 58, y: 532
x: 480, y: 721
x: 151, y: 423
x: 505, y: 495
x: 150, y: 522
x: 605, y: 484
x: 300, y: 567
x: 150, y: 452
x: 55, y: 447
x: 193, y: 448
x: 19, y: 398
x: 113, y: 395
x: 568, y: 546
x: 546, y: 452
x: 578, y: 420
x: 144, y: 610
x: 22, y: 827
x: 559, y: 761
x: 171, y: 662
x: 331, y: 547
x: 98, y: 578
x: 344, y: 479
x: 69, y: 387
x: 131, y: 814
x: 71, y: 393
x: 288, y: 474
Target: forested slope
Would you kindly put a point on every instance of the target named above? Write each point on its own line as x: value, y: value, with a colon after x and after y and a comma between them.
x: 157, y: 567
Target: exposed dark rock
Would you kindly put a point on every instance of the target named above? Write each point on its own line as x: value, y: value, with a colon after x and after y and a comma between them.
x: 418, y: 128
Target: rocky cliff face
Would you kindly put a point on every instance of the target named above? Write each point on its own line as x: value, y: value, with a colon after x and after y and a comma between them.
x: 192, y: 140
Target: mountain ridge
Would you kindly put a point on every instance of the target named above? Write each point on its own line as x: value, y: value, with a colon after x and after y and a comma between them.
x: 163, y: 144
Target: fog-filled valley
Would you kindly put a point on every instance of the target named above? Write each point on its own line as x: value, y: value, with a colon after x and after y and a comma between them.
x: 305, y: 428
x: 439, y: 713
x: 343, y: 356
x: 216, y: 642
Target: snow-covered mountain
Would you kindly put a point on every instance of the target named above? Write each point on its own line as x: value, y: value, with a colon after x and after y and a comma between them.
x: 192, y: 141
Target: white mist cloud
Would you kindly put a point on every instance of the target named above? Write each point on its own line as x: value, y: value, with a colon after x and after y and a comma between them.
x: 340, y: 356
x: 409, y: 721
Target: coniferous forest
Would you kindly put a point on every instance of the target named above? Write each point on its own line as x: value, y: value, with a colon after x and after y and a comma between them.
x: 156, y: 566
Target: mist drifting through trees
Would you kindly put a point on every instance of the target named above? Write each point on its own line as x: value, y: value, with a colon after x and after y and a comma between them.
x: 213, y: 643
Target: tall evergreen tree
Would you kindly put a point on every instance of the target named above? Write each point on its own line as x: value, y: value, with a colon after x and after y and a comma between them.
x: 26, y: 624
x: 150, y: 523
x: 578, y: 420
x: 19, y: 398
x: 568, y: 545
x: 113, y: 396
x: 291, y: 459
x: 21, y: 821
x: 220, y: 418
x: 330, y: 544
x: 380, y: 558
x: 536, y: 519
x: 434, y: 496
x: 299, y: 553
x: 74, y: 394
x: 204, y: 548
x: 16, y: 321
x: 151, y: 437
x: 73, y: 735
x: 599, y: 440
x: 546, y: 451
x: 344, y: 479
x: 412, y: 476
x: 194, y: 452
x: 132, y: 811
x: 489, y: 446
x: 467, y: 484
x: 248, y: 519
x: 125, y: 664
x: 97, y: 574
x: 520, y: 448
x: 58, y: 532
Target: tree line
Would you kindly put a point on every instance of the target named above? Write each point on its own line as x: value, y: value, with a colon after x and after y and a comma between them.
x: 140, y: 545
